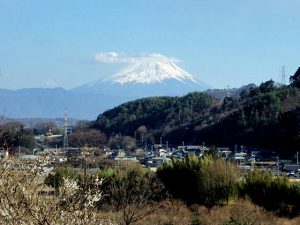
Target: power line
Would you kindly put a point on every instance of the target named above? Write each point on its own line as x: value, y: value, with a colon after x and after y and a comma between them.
x: 283, y: 75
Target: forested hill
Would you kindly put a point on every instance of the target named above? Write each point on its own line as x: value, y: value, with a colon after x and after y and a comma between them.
x: 266, y: 116
x: 158, y: 114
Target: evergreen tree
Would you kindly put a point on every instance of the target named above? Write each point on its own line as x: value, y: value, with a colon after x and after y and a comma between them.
x: 295, y: 79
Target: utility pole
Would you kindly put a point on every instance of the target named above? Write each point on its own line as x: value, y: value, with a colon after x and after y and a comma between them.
x: 227, y: 91
x: 283, y: 75
x: 65, y: 143
x: 297, y: 154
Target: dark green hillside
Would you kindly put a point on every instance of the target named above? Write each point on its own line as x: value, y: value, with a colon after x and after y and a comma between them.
x: 158, y: 114
x: 266, y: 116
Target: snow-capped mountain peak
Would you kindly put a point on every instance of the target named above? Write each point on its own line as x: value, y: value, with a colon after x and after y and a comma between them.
x: 148, y: 70
x: 144, y: 75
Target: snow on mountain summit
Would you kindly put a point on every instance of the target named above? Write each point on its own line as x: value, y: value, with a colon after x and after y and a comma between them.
x: 143, y: 75
x: 151, y: 69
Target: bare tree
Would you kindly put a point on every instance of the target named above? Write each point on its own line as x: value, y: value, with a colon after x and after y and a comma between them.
x: 128, y: 142
x: 142, y: 131
x: 86, y: 137
x: 134, y: 194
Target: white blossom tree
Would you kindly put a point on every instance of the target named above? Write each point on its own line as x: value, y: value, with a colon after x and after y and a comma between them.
x: 23, y: 198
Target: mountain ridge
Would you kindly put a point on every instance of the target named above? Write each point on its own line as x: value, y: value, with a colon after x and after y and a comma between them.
x: 51, y: 102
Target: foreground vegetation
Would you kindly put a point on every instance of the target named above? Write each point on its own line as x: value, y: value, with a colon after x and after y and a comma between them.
x: 205, y: 190
x: 24, y: 199
x: 131, y: 194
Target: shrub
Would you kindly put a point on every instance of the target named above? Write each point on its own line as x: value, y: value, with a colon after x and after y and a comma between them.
x: 134, y: 192
x: 273, y: 193
x: 55, y: 179
x: 205, y: 181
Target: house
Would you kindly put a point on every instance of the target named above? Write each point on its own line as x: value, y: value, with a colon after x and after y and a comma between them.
x: 139, y: 152
x: 180, y: 154
x: 59, y: 160
x: 291, y: 168
x: 162, y: 152
x: 28, y: 157
x: 239, y: 157
x: 154, y: 162
x: 224, y: 152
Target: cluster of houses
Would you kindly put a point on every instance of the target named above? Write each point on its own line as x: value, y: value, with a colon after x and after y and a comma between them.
x: 245, y: 157
x: 154, y: 155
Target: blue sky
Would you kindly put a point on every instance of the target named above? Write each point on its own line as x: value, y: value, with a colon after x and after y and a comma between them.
x: 46, y: 43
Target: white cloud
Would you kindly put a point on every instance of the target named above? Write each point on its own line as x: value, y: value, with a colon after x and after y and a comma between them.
x: 51, y: 84
x: 115, y: 57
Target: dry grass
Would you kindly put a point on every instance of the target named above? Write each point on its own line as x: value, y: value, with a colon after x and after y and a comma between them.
x: 171, y: 213
x: 175, y: 212
x: 244, y: 212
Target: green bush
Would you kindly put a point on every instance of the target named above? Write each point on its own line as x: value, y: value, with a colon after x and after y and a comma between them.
x: 55, y: 178
x: 205, y: 181
x: 271, y: 192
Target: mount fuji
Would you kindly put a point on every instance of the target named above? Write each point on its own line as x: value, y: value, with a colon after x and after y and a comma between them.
x: 148, y: 76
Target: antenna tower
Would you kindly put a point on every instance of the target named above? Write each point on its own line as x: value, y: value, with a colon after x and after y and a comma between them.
x: 283, y: 75
x: 66, y: 130
x: 227, y: 90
